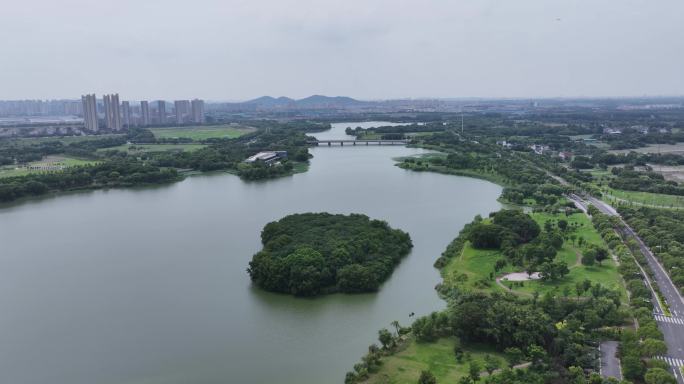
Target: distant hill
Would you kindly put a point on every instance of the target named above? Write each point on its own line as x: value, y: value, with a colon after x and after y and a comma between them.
x: 315, y: 101
x: 268, y: 101
x: 327, y: 100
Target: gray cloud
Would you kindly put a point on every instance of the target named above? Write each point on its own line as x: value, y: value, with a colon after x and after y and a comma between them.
x: 232, y: 50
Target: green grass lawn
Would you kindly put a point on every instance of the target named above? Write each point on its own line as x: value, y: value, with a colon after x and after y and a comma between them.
x: 10, y: 171
x: 471, y: 270
x: 202, y: 132
x: 66, y: 140
x: 141, y: 148
x: 606, y: 274
x: 404, y: 367
x: 657, y: 200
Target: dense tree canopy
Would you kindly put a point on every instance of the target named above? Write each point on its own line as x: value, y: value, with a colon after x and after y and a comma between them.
x: 314, y: 253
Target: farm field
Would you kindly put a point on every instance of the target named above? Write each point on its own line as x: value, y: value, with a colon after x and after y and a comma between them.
x: 656, y: 200
x: 202, y: 132
x: 655, y: 148
x: 142, y: 148
x: 404, y: 367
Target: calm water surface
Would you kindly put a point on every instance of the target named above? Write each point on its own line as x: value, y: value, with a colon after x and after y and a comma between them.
x: 149, y: 286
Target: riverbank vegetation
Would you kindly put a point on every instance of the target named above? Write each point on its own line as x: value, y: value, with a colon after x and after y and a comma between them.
x: 316, y: 253
x: 554, y: 327
x: 553, y: 320
x: 139, y: 158
x: 567, y: 273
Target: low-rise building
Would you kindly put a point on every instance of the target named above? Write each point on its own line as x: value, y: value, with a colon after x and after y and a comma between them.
x: 267, y: 157
x: 539, y: 149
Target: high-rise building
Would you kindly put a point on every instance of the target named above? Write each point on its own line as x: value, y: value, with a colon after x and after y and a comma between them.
x: 182, y: 109
x: 198, y: 111
x: 112, y: 112
x: 89, y: 112
x: 126, y: 109
x: 161, y: 112
x: 145, y: 113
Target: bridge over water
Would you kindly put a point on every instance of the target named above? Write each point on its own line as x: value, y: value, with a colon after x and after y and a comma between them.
x: 358, y: 142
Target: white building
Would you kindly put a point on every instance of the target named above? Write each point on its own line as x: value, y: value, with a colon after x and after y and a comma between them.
x: 267, y: 157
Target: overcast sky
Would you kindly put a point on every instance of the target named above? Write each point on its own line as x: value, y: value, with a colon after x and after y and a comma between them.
x: 368, y: 49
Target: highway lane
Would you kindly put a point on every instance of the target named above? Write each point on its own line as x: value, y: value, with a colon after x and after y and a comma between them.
x: 672, y: 327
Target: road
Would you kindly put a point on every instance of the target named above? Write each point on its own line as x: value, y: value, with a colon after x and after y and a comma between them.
x: 671, y: 326
x: 610, y: 364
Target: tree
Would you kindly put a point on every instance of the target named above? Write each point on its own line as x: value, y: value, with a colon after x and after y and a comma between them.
x: 659, y: 376
x: 632, y: 367
x: 350, y: 378
x: 311, y: 253
x: 491, y: 364
x: 458, y: 352
x: 385, y: 338
x: 653, y: 347
x: 589, y: 257
x: 474, y: 371
x: 514, y: 356
x: 500, y: 264
x: 553, y: 270
x: 601, y: 254
x: 486, y: 235
x: 537, y: 355
x: 548, y: 226
x: 576, y: 375
x: 579, y: 288
x: 426, y: 377
x: 562, y: 225
x: 519, y: 223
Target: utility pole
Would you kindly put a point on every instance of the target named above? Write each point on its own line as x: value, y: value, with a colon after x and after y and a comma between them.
x: 461, y: 120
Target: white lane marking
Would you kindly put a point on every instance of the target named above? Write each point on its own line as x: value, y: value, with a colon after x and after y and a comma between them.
x: 673, y: 362
x: 668, y: 319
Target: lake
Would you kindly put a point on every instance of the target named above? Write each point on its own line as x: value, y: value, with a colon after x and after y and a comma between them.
x: 149, y: 285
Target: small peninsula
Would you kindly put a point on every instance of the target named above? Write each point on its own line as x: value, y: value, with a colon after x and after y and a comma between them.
x: 318, y: 253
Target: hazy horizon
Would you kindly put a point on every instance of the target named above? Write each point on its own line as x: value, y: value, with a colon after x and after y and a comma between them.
x: 377, y: 50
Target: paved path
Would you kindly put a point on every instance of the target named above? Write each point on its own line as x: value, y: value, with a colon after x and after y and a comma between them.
x: 610, y: 364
